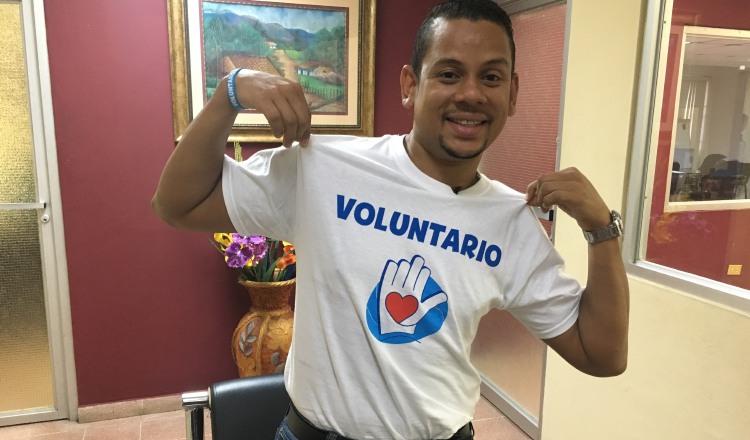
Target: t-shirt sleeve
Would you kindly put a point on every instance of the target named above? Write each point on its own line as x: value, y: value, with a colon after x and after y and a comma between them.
x: 260, y: 192
x: 542, y: 296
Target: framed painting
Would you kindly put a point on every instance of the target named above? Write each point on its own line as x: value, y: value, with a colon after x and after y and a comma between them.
x: 325, y: 45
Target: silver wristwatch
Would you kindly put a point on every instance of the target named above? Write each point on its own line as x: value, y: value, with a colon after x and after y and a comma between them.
x: 612, y: 230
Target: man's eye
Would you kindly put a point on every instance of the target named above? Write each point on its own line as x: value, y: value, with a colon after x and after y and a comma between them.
x: 492, y: 78
x: 448, y: 75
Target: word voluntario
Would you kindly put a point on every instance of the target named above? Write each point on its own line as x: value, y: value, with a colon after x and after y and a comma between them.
x: 423, y: 231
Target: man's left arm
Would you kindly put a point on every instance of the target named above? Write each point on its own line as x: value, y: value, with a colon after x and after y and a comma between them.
x: 597, y: 344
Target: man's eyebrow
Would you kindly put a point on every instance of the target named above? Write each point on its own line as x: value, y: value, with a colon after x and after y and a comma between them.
x: 455, y: 62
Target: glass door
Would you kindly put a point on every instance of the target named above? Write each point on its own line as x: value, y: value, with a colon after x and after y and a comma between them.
x: 34, y: 377
x: 509, y: 358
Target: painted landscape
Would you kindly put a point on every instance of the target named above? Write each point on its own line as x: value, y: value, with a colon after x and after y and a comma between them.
x: 304, y: 45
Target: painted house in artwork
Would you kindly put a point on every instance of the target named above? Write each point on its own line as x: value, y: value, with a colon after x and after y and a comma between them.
x: 307, y: 68
x: 304, y: 71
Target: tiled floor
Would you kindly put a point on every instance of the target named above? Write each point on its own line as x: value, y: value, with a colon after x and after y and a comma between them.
x: 489, y: 424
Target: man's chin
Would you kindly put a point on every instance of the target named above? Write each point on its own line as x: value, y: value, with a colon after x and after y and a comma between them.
x: 464, y: 150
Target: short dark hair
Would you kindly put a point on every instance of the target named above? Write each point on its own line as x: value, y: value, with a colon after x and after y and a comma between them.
x: 473, y: 10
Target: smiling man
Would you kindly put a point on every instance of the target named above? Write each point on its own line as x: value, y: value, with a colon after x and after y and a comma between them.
x: 402, y: 245
x: 462, y: 88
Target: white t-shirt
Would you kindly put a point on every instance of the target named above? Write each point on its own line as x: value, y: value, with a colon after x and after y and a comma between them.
x: 394, y: 272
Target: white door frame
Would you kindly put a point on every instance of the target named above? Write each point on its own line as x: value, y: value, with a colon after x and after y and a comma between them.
x: 528, y: 423
x: 48, y: 205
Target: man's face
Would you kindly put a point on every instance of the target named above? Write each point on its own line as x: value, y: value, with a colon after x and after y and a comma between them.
x: 465, y: 91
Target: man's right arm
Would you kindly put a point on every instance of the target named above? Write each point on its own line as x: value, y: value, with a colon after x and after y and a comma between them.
x: 189, y: 195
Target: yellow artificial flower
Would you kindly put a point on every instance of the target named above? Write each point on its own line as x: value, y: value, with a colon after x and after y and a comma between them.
x: 223, y: 238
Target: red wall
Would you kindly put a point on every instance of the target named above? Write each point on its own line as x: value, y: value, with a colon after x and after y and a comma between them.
x: 153, y: 308
x: 701, y: 242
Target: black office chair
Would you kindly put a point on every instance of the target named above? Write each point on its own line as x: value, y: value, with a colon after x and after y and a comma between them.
x: 744, y: 169
x: 709, y: 162
x: 240, y: 409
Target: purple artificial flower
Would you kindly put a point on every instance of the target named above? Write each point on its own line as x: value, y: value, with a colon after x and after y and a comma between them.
x: 237, y: 255
x: 244, y: 248
x: 259, y: 251
x: 248, y: 240
x: 259, y: 246
x: 257, y: 239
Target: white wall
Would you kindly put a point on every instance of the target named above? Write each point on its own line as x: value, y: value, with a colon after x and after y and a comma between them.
x: 689, y: 367
x: 722, y: 104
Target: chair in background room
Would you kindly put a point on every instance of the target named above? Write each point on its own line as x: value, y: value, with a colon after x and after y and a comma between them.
x: 710, y: 162
x: 729, y: 178
x: 240, y: 409
x: 744, y: 170
x: 677, y: 180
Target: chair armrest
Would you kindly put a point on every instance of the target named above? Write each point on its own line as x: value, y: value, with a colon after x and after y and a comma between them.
x: 193, y: 403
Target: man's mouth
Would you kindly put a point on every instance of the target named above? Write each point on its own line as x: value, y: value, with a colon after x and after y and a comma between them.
x: 466, y: 122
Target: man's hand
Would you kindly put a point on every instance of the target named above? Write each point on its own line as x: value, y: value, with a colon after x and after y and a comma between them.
x: 281, y: 101
x: 572, y: 192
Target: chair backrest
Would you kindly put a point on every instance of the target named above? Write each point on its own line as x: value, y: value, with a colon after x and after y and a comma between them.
x: 744, y: 168
x: 709, y: 162
x: 248, y: 408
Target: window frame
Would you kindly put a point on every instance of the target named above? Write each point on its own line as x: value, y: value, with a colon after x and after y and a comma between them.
x: 713, y: 205
x: 656, y: 30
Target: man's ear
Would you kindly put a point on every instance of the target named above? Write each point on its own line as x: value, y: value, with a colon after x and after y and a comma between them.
x: 408, y: 86
x: 513, y: 95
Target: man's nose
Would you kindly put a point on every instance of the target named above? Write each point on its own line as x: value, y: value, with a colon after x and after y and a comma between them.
x: 471, y: 90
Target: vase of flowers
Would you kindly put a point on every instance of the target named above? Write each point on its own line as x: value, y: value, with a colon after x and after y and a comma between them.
x: 261, y: 340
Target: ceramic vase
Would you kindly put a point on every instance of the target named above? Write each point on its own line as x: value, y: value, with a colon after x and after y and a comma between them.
x: 261, y: 341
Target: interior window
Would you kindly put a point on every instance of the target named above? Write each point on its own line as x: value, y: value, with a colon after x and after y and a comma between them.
x: 699, y: 207
x: 710, y: 133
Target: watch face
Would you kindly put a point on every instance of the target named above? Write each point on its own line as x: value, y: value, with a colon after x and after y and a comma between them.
x: 617, y: 222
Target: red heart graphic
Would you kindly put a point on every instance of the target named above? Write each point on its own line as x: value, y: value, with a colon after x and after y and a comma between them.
x: 400, y: 307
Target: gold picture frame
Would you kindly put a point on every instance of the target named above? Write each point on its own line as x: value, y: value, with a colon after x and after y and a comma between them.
x: 339, y: 83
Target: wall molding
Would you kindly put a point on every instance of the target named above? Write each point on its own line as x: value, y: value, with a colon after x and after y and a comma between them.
x: 129, y: 408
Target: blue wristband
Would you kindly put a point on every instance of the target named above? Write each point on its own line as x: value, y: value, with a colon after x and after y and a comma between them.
x: 232, y: 92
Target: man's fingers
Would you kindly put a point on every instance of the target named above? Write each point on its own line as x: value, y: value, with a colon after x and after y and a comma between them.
x: 299, y: 105
x: 281, y: 101
x: 573, y: 193
x: 305, y: 141
x: 275, y: 121
x: 539, y: 193
x: 531, y: 191
x: 282, y: 120
x: 290, y: 132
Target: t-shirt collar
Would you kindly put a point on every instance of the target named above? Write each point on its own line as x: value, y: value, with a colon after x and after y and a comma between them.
x: 408, y: 167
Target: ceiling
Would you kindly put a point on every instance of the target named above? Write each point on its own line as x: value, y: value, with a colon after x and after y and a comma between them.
x: 706, y: 50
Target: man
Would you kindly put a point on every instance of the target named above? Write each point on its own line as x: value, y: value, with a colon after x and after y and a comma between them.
x: 402, y: 245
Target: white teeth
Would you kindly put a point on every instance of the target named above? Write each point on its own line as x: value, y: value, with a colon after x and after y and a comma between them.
x: 471, y: 123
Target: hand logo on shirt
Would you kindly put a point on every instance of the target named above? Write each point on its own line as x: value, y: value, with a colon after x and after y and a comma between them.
x: 407, y: 304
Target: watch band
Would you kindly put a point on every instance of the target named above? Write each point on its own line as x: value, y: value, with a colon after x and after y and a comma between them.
x: 612, y: 230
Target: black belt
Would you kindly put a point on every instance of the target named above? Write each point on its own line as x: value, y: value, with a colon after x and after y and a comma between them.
x: 304, y: 430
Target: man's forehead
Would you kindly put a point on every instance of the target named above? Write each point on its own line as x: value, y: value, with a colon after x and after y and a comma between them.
x: 450, y: 39
x: 443, y: 24
x: 462, y: 30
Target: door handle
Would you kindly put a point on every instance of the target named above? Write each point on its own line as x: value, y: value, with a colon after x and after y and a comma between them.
x: 39, y: 206
x: 20, y: 206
